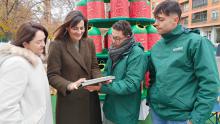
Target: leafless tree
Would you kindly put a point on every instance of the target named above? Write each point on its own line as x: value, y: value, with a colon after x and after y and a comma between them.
x: 48, y: 12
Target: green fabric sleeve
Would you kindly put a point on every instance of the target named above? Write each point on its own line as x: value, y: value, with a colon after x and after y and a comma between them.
x: 206, y: 71
x: 133, y: 77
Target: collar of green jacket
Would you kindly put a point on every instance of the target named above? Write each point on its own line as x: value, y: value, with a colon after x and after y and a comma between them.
x: 139, y: 45
x: 176, y: 32
x: 135, y: 44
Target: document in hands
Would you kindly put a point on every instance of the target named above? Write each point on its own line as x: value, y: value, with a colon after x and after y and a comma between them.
x: 97, y: 80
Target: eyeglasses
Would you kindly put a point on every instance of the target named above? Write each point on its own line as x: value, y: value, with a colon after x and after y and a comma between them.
x: 78, y: 28
x: 116, y: 38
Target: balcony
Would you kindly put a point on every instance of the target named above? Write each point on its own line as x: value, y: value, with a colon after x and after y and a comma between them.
x: 185, y: 6
x: 199, y: 3
x: 215, y: 1
x: 199, y: 17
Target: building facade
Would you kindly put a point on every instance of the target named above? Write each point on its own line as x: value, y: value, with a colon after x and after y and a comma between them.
x: 201, y: 14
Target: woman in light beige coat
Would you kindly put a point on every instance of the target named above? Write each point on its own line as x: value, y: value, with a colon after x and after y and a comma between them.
x: 24, y: 94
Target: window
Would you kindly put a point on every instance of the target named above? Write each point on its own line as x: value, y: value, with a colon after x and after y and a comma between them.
x: 185, y: 21
x: 199, y: 3
x: 215, y: 1
x: 214, y: 15
x: 199, y: 17
x: 185, y: 6
x: 209, y: 34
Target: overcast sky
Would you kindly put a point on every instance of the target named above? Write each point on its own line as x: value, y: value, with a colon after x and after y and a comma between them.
x: 59, y: 9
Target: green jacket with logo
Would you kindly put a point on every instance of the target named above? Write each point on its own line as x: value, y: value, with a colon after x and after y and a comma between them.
x: 123, y: 95
x: 184, y: 77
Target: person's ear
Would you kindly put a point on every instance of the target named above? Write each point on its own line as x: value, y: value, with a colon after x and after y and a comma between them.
x: 128, y: 36
x: 67, y: 28
x: 25, y: 44
x: 176, y: 19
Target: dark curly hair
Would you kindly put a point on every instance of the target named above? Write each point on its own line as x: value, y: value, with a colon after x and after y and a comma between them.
x: 123, y: 26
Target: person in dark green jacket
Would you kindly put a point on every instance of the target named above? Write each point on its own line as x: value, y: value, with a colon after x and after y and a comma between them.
x: 183, y: 71
x: 126, y: 63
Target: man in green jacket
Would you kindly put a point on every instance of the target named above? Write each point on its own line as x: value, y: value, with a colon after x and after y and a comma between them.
x: 126, y: 63
x: 184, y: 76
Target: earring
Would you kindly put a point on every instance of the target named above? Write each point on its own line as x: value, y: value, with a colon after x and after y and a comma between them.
x: 65, y: 32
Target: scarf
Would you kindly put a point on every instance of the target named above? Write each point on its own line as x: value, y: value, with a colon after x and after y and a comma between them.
x: 117, y: 53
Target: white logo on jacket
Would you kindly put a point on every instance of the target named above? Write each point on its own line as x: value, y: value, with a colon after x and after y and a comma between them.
x: 178, y: 49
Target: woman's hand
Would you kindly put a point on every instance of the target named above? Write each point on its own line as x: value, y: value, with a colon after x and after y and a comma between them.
x: 75, y: 85
x: 93, y: 88
x: 107, y: 82
x: 97, y: 88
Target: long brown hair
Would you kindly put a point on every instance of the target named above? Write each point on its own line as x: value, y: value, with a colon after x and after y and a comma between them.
x: 71, y: 20
x: 26, y: 33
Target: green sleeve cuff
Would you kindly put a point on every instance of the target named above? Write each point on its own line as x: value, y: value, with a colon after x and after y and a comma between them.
x: 103, y: 88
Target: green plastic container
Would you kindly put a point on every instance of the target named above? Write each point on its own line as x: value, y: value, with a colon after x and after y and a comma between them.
x: 153, y: 36
x: 82, y: 6
x: 95, y: 34
x: 140, y: 34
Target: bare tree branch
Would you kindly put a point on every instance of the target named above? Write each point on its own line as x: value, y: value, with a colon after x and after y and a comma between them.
x: 12, y: 7
x: 37, y: 4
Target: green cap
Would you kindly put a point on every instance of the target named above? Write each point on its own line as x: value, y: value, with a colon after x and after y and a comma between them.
x: 110, y: 31
x: 95, y: 0
x: 151, y: 29
x: 148, y: 3
x: 81, y: 3
x: 93, y: 31
x: 139, y: 29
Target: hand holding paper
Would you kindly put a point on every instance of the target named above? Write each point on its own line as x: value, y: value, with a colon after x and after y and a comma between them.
x: 93, y: 88
x: 105, y: 80
x: 97, y: 80
x: 97, y: 88
x: 75, y: 85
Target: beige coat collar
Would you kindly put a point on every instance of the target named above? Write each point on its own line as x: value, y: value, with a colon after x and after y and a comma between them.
x: 11, y: 50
